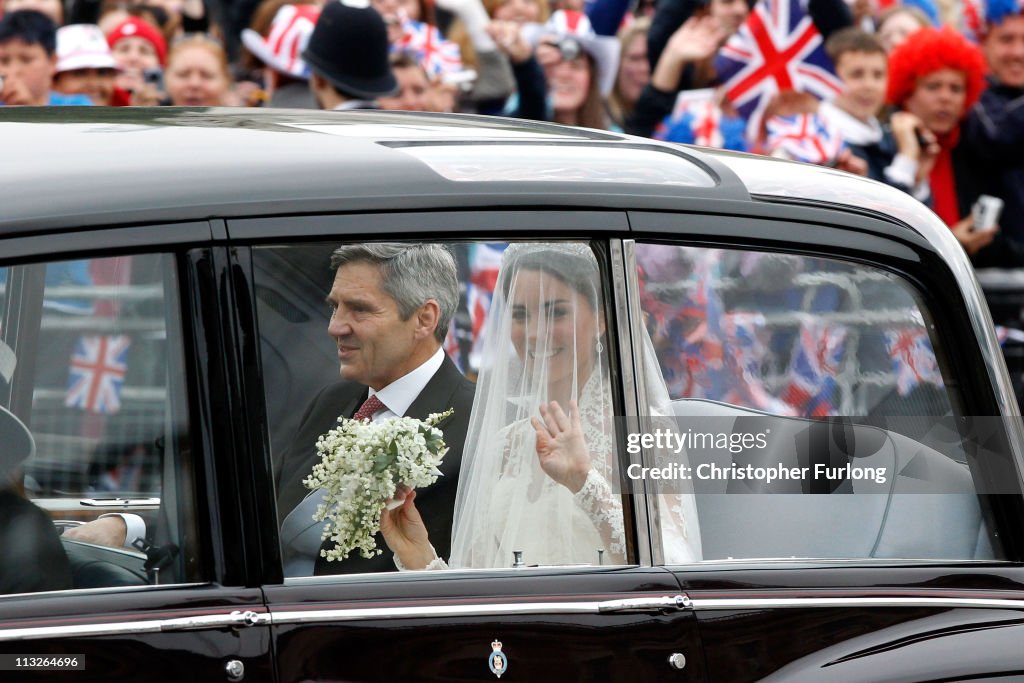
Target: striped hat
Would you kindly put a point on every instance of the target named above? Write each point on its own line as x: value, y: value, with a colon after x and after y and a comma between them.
x: 289, y: 33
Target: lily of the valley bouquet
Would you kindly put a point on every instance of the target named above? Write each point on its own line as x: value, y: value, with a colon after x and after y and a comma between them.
x: 362, y: 463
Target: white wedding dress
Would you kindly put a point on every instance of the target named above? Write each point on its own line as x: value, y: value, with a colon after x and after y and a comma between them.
x: 506, y: 502
x: 533, y: 513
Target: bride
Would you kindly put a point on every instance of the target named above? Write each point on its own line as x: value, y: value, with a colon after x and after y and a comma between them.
x: 541, y: 477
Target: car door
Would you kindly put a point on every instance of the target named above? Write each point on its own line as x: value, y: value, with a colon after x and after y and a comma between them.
x: 589, y: 619
x: 861, y: 518
x: 114, y: 376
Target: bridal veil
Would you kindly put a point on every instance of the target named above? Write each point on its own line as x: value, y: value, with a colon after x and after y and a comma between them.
x: 545, y: 340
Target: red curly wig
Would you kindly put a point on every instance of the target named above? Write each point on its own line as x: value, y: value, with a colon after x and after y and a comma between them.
x: 929, y: 50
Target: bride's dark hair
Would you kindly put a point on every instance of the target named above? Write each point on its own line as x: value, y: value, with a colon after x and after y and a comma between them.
x: 572, y: 264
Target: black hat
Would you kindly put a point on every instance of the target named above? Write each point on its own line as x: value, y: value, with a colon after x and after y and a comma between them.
x: 349, y: 48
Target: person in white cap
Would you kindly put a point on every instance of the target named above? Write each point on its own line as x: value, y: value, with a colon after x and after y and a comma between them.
x: 85, y: 65
x: 286, y: 74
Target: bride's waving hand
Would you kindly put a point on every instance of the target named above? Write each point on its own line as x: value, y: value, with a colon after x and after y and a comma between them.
x: 561, y: 448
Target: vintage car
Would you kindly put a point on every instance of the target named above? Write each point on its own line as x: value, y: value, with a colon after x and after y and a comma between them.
x: 162, y: 279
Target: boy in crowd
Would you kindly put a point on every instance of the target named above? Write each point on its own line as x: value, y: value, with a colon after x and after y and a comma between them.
x: 902, y: 155
x: 28, y: 60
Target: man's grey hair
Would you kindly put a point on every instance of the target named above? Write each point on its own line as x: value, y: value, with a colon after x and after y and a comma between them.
x: 411, y: 274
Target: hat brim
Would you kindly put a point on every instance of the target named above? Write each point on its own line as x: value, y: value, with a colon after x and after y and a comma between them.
x: 87, y: 61
x: 363, y: 88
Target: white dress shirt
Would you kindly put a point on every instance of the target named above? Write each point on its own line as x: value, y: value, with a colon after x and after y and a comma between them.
x: 400, y: 394
x: 300, y: 535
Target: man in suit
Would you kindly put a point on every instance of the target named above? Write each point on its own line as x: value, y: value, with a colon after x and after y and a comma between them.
x: 391, y: 308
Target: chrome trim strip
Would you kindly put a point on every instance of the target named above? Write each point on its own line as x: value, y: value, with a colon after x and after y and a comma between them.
x: 636, y: 318
x: 702, y: 604
x: 234, y: 619
x: 624, y: 293
x: 681, y: 602
x: 667, y: 602
x: 357, y: 614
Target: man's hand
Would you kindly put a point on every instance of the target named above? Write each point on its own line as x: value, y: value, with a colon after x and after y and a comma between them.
x: 15, y: 93
x: 405, y: 533
x: 110, y: 531
x: 147, y: 95
x: 560, y: 446
x: 509, y: 39
x: 851, y: 163
x: 697, y: 39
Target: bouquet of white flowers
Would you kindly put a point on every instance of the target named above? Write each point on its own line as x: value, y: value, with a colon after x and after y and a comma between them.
x: 361, y: 464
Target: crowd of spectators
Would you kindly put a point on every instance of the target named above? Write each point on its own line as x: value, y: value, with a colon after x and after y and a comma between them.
x: 925, y: 96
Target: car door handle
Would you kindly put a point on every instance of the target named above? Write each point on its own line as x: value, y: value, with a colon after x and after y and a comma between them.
x: 667, y: 602
x: 120, y: 502
x: 237, y: 618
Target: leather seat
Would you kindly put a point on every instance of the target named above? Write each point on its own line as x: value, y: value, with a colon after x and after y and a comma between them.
x: 926, y: 509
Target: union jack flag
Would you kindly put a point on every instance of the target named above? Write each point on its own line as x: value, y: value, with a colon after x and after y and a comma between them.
x: 777, y: 48
x: 98, y: 365
x: 803, y: 137
x: 437, y: 55
x: 697, y: 119
x: 465, y: 340
x: 746, y: 355
x: 972, y: 22
x: 913, y: 359
x: 695, y: 366
x: 483, y: 278
x: 816, y: 361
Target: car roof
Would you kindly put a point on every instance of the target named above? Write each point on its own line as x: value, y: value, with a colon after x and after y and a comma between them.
x: 81, y: 166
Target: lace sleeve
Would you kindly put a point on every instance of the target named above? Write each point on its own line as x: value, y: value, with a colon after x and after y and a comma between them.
x: 436, y: 563
x: 604, y: 509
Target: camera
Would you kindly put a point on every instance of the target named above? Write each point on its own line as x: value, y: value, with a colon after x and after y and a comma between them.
x: 154, y: 76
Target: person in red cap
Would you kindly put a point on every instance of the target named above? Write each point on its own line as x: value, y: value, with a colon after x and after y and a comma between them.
x: 138, y: 48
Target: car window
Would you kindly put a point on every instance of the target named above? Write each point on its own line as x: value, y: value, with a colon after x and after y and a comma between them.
x: 533, y: 333
x: 99, y: 388
x: 813, y: 409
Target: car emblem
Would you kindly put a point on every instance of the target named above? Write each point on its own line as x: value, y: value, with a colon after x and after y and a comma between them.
x: 497, y: 661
